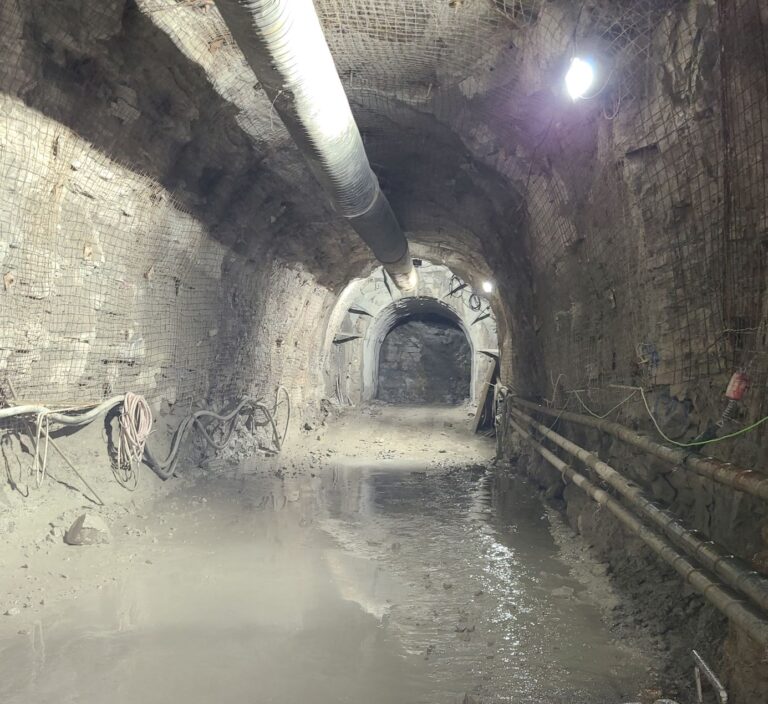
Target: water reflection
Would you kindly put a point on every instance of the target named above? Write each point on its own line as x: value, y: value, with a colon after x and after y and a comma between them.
x: 366, y: 584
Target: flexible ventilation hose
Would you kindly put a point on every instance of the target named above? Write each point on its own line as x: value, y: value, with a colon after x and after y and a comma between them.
x: 284, y: 44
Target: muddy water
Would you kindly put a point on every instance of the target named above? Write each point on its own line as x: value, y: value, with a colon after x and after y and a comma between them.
x: 378, y: 584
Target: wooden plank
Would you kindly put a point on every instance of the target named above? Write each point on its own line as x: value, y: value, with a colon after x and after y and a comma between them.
x: 486, y: 389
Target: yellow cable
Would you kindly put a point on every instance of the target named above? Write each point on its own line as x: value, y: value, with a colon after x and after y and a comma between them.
x: 698, y: 443
x: 607, y: 413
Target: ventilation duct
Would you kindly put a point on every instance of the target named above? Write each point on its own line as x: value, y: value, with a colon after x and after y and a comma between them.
x: 284, y: 44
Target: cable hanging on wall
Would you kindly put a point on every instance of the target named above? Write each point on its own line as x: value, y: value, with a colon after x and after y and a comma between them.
x: 135, y: 424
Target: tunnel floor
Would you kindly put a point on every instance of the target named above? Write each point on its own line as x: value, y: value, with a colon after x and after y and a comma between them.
x: 388, y: 561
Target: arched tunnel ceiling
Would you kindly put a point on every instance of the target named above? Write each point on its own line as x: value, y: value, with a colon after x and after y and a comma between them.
x: 438, y: 89
x: 450, y: 96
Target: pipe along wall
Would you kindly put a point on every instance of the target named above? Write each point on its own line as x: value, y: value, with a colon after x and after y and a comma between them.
x: 284, y: 44
x: 721, y: 578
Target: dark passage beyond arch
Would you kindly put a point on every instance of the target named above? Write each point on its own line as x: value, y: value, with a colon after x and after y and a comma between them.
x: 425, y: 359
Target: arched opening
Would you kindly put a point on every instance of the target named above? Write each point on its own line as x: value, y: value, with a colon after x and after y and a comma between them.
x: 369, y: 309
x: 425, y: 358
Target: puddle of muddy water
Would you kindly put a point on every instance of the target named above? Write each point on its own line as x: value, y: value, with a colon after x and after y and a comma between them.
x: 372, y: 584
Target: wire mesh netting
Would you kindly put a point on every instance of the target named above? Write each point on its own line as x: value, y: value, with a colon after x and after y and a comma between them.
x: 110, y: 283
x: 95, y: 262
x: 671, y: 258
x: 200, y: 34
x: 646, y: 218
x: 743, y: 337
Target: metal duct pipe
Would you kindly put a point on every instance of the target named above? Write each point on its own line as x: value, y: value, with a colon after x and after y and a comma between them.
x: 733, y: 571
x: 712, y: 590
x: 284, y: 44
x: 739, y: 478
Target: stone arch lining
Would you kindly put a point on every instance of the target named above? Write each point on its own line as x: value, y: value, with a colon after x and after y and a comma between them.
x: 387, y: 320
x: 368, y: 309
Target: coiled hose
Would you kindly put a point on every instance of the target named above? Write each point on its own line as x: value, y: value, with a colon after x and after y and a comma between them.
x: 136, y: 424
x: 135, y: 427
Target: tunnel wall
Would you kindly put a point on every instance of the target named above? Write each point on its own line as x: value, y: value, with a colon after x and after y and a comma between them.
x: 647, y: 240
x: 129, y: 260
x: 97, y: 263
x: 110, y: 286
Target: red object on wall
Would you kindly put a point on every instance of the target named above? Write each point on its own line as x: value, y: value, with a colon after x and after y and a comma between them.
x: 737, y: 386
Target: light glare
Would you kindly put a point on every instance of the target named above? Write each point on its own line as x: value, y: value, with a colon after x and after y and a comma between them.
x: 487, y: 287
x: 579, y: 78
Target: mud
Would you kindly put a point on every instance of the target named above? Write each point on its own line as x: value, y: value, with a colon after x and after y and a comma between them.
x: 396, y: 573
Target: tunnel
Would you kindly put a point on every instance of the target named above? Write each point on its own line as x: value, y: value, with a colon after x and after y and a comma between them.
x: 425, y: 359
x: 421, y: 352
x: 399, y: 351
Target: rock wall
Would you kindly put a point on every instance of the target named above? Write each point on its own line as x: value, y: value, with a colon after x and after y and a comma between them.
x: 648, y: 273
x: 143, y: 240
x: 110, y: 286
x: 425, y: 361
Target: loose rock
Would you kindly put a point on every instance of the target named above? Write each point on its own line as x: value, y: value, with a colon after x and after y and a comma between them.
x: 87, y: 529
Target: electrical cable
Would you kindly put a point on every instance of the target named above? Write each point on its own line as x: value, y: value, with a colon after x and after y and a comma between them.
x: 135, y: 427
x: 46, y: 416
x: 635, y: 390
x: 40, y: 464
x: 560, y: 413
x: 62, y: 416
x: 166, y: 468
x: 554, y: 383
x: 280, y: 388
x: 454, y: 290
x: 698, y: 443
x: 607, y: 413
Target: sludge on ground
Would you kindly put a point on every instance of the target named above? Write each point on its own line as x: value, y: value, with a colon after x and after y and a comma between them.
x: 382, y: 571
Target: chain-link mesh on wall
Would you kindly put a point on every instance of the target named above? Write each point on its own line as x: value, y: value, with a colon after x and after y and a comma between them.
x: 96, y: 262
x: 645, y: 207
x: 657, y: 272
x: 403, y: 48
x: 100, y: 266
x: 110, y: 283
x: 413, y: 50
x: 199, y: 32
x: 743, y: 338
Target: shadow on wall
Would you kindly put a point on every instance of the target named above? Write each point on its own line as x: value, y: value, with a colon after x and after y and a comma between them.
x: 119, y: 82
x: 425, y: 359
